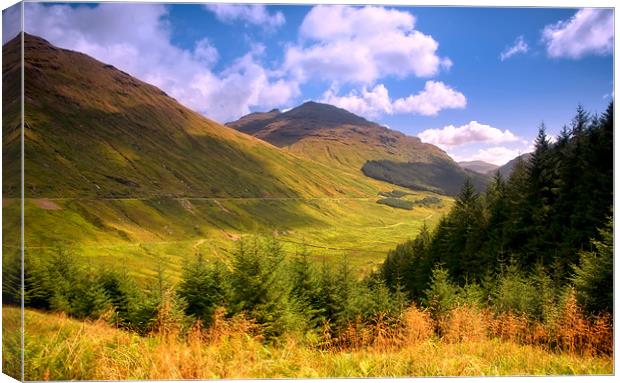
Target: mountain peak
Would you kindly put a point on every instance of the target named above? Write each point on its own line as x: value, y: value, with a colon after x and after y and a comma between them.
x: 327, y: 114
x: 333, y: 135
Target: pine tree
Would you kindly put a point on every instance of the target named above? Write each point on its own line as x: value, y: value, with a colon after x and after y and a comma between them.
x: 11, y: 277
x: 593, y: 277
x: 124, y: 296
x: 261, y: 286
x: 203, y: 288
x: 306, y: 289
x: 498, y: 215
x: 441, y: 295
x: 467, y: 228
x: 539, y: 200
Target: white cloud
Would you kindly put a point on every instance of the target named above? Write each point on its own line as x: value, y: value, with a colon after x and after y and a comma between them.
x: 252, y: 14
x: 498, y: 155
x: 206, y: 52
x: 519, y: 46
x: 589, y: 31
x: 361, y: 45
x: 435, y: 97
x: 471, y: 133
x: 372, y: 103
x: 366, y: 103
x: 136, y: 38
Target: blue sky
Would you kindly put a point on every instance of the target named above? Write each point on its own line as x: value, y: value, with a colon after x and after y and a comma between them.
x: 475, y: 81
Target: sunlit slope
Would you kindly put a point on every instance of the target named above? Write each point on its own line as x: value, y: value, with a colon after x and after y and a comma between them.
x: 95, y: 131
x: 137, y: 234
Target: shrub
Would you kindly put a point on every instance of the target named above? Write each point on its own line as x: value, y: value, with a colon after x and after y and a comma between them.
x: 515, y: 292
x: 428, y: 201
x: 417, y: 325
x: 471, y: 294
x: 464, y: 323
x: 169, y: 316
x: 394, y: 193
x: 509, y: 326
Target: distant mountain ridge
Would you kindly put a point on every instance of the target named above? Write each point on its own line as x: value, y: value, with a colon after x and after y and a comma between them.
x: 478, y: 166
x: 506, y: 169
x: 339, y: 138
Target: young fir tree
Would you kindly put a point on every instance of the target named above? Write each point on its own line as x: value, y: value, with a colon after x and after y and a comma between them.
x: 261, y: 286
x: 593, y: 277
x: 306, y: 289
x: 203, y: 287
x: 441, y: 295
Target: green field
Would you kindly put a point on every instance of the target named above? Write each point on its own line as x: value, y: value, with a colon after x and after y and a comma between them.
x: 139, y: 234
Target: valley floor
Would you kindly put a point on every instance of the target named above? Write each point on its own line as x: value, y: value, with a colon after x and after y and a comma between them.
x: 58, y: 348
x: 140, y: 234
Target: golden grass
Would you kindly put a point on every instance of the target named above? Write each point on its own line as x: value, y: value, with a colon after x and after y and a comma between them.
x: 58, y: 347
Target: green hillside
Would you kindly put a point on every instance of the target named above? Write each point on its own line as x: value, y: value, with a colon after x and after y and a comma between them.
x: 106, y: 134
x: 119, y: 172
x: 439, y: 176
x: 335, y: 136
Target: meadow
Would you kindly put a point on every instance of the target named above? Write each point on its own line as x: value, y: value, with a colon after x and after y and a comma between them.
x: 58, y: 347
x: 139, y: 233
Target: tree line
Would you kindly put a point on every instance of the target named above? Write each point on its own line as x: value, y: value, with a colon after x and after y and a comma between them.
x: 528, y: 238
x: 282, y: 294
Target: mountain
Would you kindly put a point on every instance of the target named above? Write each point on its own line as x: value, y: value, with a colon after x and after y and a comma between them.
x: 506, y: 169
x: 119, y: 172
x: 95, y: 131
x: 335, y: 136
x: 349, y: 142
x: 478, y: 166
x: 442, y: 177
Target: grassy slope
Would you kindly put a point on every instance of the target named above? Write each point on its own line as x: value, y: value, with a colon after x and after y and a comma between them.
x: 94, y: 131
x: 133, y: 177
x: 442, y: 177
x: 137, y: 233
x: 336, y: 137
x: 58, y: 348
